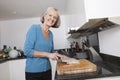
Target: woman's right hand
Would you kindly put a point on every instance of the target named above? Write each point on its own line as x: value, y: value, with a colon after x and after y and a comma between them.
x: 56, y: 56
x: 52, y: 56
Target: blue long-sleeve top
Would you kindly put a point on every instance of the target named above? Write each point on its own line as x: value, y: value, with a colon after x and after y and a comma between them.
x: 35, y: 41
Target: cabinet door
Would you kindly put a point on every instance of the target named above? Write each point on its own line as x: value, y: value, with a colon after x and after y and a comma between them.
x: 4, y: 71
x: 102, y: 8
x: 17, y: 69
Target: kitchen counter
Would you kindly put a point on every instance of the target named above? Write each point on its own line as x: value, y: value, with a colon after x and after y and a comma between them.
x: 104, y: 69
x: 9, y: 59
x: 107, y: 66
x: 107, y: 78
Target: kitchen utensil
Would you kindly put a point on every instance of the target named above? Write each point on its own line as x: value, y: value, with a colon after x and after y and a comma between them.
x: 13, y: 54
x: 81, y: 55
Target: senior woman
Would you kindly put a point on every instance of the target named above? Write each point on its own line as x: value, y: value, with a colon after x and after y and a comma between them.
x: 39, y: 47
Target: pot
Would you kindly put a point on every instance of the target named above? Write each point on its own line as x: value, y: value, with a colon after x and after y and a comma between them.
x: 81, y: 55
x: 13, y: 54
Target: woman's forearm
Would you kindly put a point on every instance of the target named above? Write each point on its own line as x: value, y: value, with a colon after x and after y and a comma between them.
x: 53, y: 56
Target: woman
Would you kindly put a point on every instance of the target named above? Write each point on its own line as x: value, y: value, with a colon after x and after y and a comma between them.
x: 39, y: 47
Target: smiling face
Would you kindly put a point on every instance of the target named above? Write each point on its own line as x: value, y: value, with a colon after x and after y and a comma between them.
x: 50, y: 17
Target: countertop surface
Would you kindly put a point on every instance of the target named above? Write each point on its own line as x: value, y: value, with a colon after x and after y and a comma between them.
x: 9, y: 59
x: 104, y: 69
x: 107, y: 78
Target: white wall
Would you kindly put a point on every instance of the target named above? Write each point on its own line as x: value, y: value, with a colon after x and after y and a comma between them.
x: 102, y: 8
x: 0, y: 36
x: 75, y: 13
x: 109, y: 41
x: 13, y: 32
x: 75, y: 7
x: 60, y: 35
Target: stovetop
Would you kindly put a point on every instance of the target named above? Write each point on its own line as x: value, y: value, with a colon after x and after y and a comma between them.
x: 105, y: 71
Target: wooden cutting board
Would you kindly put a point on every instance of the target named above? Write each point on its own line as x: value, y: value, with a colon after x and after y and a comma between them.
x: 83, y: 67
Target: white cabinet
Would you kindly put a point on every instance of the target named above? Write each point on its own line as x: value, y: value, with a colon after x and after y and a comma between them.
x: 80, y: 11
x: 17, y: 69
x: 12, y: 70
x: 4, y: 71
x: 102, y: 8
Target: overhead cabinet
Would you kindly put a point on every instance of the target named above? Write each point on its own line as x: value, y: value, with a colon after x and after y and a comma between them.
x: 102, y: 8
x: 80, y: 11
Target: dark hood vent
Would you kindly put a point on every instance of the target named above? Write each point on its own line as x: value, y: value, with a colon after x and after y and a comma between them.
x: 94, y: 26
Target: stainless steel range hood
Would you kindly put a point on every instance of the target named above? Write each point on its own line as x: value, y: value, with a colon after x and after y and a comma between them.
x: 93, y: 26
x: 93, y: 23
x: 100, y: 23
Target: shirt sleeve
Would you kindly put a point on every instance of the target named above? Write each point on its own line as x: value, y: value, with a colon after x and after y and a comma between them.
x: 30, y: 41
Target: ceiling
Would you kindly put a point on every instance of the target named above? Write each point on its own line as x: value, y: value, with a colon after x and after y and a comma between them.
x: 19, y: 9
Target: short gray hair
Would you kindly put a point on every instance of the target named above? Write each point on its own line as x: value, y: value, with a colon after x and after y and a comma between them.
x: 57, y: 24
